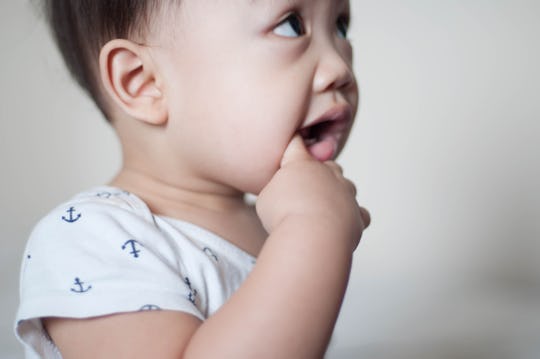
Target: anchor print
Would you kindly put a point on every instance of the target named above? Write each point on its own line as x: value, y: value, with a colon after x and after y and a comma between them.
x: 133, y: 245
x: 107, y: 195
x: 209, y: 252
x: 148, y: 307
x: 71, y: 218
x: 80, y: 285
x: 104, y: 194
x: 192, y: 292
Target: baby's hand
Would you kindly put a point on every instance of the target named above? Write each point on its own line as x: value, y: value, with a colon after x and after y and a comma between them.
x: 314, y: 194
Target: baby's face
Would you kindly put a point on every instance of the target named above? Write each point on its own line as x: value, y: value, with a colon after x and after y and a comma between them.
x: 242, y: 77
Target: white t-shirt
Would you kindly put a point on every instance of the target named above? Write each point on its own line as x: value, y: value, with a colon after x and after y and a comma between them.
x: 104, y: 252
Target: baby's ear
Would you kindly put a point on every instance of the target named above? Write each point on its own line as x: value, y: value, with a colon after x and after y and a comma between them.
x: 129, y: 77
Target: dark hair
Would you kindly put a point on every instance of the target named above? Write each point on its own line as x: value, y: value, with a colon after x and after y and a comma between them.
x: 81, y: 27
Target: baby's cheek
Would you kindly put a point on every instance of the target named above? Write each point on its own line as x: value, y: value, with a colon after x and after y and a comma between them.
x: 267, y: 138
x: 263, y: 178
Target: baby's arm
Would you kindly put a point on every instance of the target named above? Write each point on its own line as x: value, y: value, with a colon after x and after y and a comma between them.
x: 288, y: 305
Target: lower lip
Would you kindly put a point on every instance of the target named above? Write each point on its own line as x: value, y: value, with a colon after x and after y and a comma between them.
x: 324, y: 150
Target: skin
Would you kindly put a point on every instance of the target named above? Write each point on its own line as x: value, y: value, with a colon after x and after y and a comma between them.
x: 204, y: 117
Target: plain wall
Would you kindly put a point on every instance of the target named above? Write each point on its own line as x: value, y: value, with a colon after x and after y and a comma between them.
x: 445, y: 154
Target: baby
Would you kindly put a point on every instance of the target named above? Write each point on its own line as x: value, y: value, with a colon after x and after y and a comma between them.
x: 211, y: 100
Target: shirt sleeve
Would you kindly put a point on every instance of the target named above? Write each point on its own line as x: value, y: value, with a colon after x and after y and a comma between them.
x: 91, y: 258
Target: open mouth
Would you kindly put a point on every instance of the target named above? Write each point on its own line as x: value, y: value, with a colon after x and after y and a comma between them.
x: 325, y: 136
x: 315, y: 133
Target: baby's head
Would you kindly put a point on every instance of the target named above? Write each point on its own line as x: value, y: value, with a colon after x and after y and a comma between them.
x: 212, y: 89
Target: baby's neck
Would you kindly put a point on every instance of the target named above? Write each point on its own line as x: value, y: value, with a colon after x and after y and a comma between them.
x: 222, y: 211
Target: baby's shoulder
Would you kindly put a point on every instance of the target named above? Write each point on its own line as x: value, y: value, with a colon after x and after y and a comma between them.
x: 98, y: 213
x: 106, y: 200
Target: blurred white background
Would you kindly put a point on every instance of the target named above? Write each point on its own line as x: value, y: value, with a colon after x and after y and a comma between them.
x: 445, y: 155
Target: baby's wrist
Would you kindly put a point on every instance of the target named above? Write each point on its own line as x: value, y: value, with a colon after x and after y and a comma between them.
x: 325, y: 230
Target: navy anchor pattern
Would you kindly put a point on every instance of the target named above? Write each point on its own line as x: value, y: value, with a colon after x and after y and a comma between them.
x: 210, y: 253
x: 192, y: 292
x: 73, y: 216
x: 80, y: 287
x: 104, y: 194
x: 133, y: 245
x: 107, y: 194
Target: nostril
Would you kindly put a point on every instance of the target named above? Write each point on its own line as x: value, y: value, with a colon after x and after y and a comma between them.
x: 345, y: 80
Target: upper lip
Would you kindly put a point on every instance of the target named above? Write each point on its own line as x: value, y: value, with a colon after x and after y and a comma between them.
x: 341, y: 113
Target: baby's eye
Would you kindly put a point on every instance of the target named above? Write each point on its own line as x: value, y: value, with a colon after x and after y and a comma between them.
x: 342, y: 25
x: 292, y: 26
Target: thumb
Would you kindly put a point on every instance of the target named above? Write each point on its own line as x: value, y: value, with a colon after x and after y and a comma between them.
x: 295, y: 151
